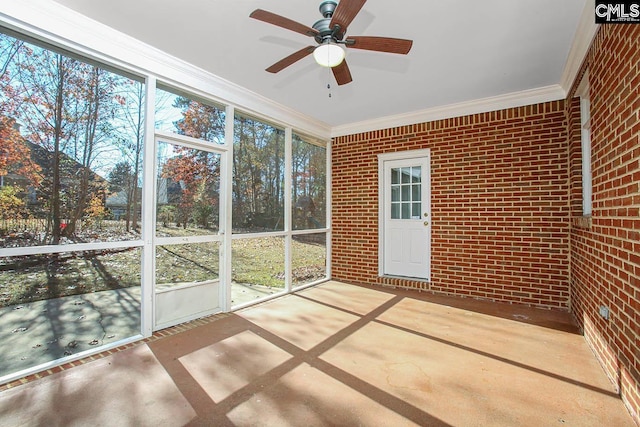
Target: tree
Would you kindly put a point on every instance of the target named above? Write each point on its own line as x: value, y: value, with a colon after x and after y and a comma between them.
x: 67, y: 109
x: 258, y: 170
x: 198, y: 173
x: 200, y: 120
x: 120, y: 177
x: 309, y: 183
x: 15, y: 155
x: 130, y: 137
x: 203, y: 203
x: 95, y: 211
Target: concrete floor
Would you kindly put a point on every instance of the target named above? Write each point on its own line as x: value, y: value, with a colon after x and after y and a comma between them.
x: 338, y: 354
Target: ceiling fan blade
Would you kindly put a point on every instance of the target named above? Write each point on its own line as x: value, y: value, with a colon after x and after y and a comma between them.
x: 345, y: 12
x: 294, y: 57
x: 342, y: 74
x: 281, y: 21
x: 380, y: 44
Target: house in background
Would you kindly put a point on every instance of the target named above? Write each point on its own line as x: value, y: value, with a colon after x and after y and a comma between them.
x: 70, y: 179
x: 533, y: 203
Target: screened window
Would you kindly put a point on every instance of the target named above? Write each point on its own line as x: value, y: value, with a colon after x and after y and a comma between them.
x: 258, y: 176
x: 309, y: 181
x: 71, y: 146
x: 184, y: 115
x: 71, y: 154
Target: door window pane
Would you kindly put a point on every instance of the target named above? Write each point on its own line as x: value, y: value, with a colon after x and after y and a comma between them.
x: 406, y: 210
x: 416, y: 190
x: 416, y: 174
x: 188, y: 191
x: 406, y: 195
x: 416, y: 208
x: 395, y: 176
x: 406, y: 192
x: 395, y: 211
x: 395, y: 193
x: 406, y: 175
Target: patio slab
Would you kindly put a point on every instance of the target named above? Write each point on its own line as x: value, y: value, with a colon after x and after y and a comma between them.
x: 376, y: 357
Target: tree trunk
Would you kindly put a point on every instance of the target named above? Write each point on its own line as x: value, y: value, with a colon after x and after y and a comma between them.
x: 136, y: 169
x: 93, y: 105
x: 55, y: 187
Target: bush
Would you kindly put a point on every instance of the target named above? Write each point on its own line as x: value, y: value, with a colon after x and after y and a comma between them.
x: 11, y: 206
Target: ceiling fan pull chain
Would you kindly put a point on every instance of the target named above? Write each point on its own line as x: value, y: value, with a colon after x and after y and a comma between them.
x: 329, y: 81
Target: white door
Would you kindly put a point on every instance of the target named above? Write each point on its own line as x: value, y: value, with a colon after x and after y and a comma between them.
x: 406, y: 218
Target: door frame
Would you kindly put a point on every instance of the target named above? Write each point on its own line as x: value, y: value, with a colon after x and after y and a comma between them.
x: 220, y: 237
x: 400, y: 155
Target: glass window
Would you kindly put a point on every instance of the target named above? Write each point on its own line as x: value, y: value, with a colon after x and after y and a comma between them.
x: 71, y: 147
x: 258, y: 176
x: 71, y: 152
x: 585, y: 124
x: 309, y: 164
x: 406, y: 192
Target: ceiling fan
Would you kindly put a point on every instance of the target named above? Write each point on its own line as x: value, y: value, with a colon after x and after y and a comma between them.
x: 329, y: 33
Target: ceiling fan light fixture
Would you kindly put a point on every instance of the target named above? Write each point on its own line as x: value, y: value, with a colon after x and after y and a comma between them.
x: 329, y: 54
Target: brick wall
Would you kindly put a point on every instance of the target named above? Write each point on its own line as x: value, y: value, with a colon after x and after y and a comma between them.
x: 605, y: 250
x: 499, y: 204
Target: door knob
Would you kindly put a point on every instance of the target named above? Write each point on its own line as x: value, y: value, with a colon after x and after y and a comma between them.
x: 426, y: 223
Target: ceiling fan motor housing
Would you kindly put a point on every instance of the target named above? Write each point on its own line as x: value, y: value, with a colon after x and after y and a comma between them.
x: 323, y: 25
x: 327, y: 8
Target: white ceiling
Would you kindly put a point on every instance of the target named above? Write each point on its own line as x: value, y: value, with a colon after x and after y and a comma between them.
x: 463, y: 50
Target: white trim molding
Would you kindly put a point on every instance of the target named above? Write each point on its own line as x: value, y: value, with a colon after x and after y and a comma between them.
x: 587, y: 29
x: 510, y: 100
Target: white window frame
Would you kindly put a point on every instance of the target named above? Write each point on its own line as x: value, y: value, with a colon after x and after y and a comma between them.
x: 585, y: 144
